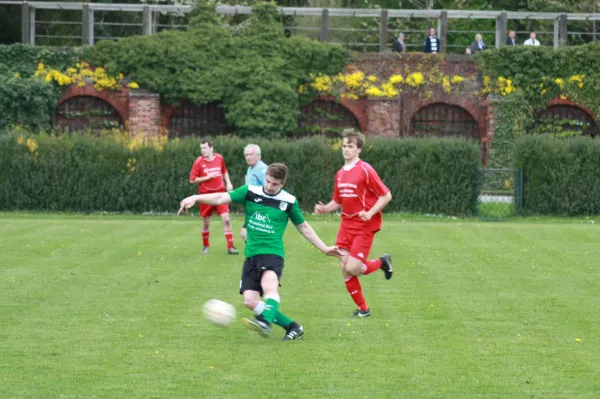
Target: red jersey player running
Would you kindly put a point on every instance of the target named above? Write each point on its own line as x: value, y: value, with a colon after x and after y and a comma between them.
x: 208, y: 172
x: 361, y: 194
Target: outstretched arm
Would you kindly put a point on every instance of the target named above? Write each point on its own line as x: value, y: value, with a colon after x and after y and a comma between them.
x: 312, y: 237
x: 210, y: 199
x: 332, y: 206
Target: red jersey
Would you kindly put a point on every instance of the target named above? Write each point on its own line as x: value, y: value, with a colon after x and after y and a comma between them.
x: 357, y: 188
x: 202, y: 168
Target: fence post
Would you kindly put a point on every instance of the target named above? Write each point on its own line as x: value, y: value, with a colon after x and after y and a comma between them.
x: 383, y: 32
x: 443, y: 30
x: 147, y: 21
x: 555, y: 41
x: 501, y: 29
x: 324, y: 25
x: 564, y: 40
x: 87, y: 20
x: 28, y: 24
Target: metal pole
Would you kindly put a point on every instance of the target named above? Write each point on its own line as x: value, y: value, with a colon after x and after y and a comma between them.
x: 555, y: 42
x: 383, y: 32
x: 443, y: 30
x: 147, y: 20
x: 87, y: 19
x: 564, y: 40
x: 324, y: 24
x: 501, y: 29
x: 28, y: 24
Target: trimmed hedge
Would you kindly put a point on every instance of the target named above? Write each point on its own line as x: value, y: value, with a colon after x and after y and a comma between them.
x: 561, y: 176
x: 83, y: 173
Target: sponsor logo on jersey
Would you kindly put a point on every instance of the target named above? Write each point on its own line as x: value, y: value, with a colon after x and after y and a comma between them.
x: 260, y: 217
x: 283, y: 205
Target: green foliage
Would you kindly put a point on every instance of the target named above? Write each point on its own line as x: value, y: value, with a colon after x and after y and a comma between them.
x: 253, y: 70
x: 540, y: 74
x: 534, y: 71
x: 512, y: 117
x: 561, y: 175
x: 85, y: 173
x: 27, y: 101
x: 24, y: 59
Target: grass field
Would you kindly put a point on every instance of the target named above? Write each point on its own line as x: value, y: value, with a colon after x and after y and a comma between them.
x: 111, y: 307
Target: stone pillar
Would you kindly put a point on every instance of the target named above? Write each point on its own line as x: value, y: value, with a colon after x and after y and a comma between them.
x: 144, y: 113
x: 383, y: 117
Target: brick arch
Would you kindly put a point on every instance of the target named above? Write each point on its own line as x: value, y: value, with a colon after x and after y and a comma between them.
x: 473, y: 111
x: 559, y: 101
x: 567, y: 109
x: 117, y: 99
x: 358, y: 108
x: 167, y: 111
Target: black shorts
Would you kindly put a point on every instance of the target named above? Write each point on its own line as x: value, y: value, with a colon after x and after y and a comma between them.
x: 253, y: 269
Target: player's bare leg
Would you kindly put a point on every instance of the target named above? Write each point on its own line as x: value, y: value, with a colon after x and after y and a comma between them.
x: 205, y: 234
x: 228, y: 233
x: 268, y: 312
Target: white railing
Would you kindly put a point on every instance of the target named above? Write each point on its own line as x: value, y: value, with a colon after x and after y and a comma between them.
x: 148, y: 26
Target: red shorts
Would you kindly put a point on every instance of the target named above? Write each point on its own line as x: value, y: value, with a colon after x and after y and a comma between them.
x: 207, y: 210
x: 357, y: 242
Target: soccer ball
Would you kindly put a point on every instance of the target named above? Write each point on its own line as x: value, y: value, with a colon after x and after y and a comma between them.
x: 219, y: 313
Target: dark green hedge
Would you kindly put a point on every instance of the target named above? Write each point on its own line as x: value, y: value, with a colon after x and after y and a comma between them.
x: 83, y: 173
x: 562, y: 176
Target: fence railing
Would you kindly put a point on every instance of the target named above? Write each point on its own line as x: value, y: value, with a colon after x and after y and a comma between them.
x: 82, y: 29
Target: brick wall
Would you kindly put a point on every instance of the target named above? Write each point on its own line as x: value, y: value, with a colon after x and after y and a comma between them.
x: 144, y: 112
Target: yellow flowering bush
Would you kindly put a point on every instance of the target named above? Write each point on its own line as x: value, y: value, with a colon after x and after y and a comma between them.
x: 78, y: 75
x: 356, y: 84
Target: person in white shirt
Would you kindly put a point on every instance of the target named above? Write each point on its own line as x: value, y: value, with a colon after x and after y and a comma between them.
x: 433, y: 44
x: 532, y: 41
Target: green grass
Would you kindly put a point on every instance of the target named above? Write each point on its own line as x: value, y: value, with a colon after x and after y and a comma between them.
x: 111, y: 307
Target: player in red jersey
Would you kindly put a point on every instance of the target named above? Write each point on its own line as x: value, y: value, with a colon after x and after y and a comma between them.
x: 210, y: 174
x: 361, y: 194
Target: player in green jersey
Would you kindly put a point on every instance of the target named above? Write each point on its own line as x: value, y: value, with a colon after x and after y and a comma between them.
x: 267, y: 209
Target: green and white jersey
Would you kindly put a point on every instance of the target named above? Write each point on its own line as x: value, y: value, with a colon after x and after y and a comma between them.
x: 266, y: 218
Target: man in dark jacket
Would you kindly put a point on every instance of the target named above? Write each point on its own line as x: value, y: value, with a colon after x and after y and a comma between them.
x: 478, y: 44
x: 399, y: 46
x: 511, y: 40
x: 433, y: 44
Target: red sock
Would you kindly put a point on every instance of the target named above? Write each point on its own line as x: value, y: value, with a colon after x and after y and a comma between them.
x: 229, y: 238
x: 355, y: 290
x: 205, y: 235
x: 371, y: 265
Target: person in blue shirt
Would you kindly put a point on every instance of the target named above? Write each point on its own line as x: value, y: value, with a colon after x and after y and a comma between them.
x: 255, y: 175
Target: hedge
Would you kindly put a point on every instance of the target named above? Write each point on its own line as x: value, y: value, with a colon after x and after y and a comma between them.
x: 89, y: 174
x: 561, y: 176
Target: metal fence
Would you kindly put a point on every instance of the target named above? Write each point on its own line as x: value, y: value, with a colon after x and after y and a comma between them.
x: 501, y: 193
x: 66, y: 23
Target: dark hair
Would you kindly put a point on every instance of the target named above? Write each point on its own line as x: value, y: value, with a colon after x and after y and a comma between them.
x: 206, y: 141
x: 278, y: 171
x: 354, y: 137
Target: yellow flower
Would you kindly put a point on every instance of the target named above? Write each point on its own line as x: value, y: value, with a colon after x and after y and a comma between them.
x: 372, y: 78
x: 374, y: 91
x: 560, y: 82
x: 20, y: 140
x: 16, y: 75
x: 41, y: 66
x: 563, y: 96
x: 31, y: 145
x: 396, y: 79
x: 446, y: 85
x: 415, y: 79
x: 457, y: 79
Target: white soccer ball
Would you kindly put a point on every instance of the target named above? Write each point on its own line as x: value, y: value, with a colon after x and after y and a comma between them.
x: 219, y: 313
